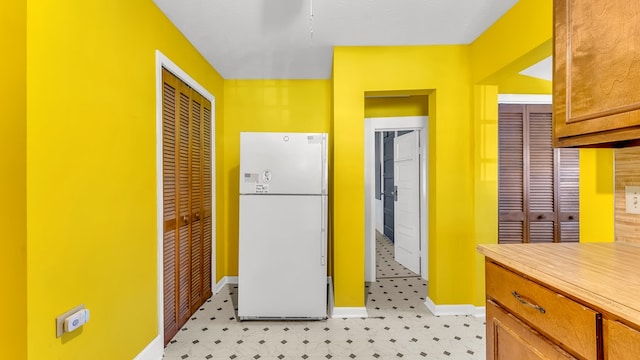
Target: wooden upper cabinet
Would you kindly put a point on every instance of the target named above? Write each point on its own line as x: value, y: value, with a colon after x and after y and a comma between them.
x: 596, y: 80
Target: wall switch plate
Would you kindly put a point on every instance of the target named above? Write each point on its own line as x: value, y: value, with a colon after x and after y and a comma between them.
x: 61, y: 318
x: 632, y: 198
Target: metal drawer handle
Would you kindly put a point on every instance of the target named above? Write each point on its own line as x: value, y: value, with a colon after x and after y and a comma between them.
x: 525, y: 302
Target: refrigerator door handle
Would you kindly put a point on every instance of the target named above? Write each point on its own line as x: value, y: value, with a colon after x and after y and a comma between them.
x: 324, y: 160
x: 323, y: 232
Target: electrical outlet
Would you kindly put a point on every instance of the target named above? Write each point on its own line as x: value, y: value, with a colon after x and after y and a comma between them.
x: 632, y: 197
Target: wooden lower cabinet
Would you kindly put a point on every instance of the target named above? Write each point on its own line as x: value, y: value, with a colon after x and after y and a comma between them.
x: 621, y: 341
x: 562, y: 301
x: 526, y: 320
x: 510, y: 338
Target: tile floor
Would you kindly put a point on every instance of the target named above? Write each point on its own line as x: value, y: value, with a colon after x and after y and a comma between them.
x: 399, y: 326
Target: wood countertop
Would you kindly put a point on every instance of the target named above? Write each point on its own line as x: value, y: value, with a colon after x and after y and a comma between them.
x: 604, y: 276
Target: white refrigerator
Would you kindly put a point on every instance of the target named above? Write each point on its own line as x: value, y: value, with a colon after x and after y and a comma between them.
x: 282, y: 270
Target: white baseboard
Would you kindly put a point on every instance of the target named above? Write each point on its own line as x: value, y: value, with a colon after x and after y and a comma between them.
x: 444, y: 310
x: 342, y: 311
x: 224, y: 281
x: 153, y: 351
x: 349, y: 312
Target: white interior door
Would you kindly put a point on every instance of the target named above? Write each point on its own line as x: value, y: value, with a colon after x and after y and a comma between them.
x: 407, y: 200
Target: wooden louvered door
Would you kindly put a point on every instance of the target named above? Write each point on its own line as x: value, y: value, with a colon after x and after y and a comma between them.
x: 537, y: 185
x: 540, y: 173
x: 187, y: 190
x: 568, y: 190
x: 511, y: 201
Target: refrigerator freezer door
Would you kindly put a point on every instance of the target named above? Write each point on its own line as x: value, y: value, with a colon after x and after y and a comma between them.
x: 282, y: 267
x: 283, y: 163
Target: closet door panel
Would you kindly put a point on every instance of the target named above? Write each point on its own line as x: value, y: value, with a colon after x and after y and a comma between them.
x: 195, y: 159
x: 511, y: 200
x: 542, y: 206
x: 183, y: 199
x: 169, y: 208
x: 569, y: 194
x: 207, y: 220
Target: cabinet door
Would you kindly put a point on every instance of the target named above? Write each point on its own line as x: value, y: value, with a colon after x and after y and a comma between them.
x: 596, y: 72
x: 510, y: 338
x: 620, y: 341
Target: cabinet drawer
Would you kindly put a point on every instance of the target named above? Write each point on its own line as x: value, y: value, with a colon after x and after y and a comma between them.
x: 510, y: 338
x: 620, y: 341
x: 562, y: 320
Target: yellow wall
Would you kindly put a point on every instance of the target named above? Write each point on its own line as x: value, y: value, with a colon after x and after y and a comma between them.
x: 415, y: 105
x: 522, y: 84
x: 519, y: 39
x: 445, y: 70
x: 522, y: 37
x: 91, y: 206
x: 597, y: 215
x: 463, y: 185
x: 13, y: 260
x: 264, y: 105
x: 485, y: 114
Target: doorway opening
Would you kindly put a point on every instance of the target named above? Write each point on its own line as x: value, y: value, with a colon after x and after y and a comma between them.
x: 419, y: 126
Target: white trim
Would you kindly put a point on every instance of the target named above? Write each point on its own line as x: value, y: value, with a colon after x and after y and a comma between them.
x: 445, y: 310
x: 524, y: 99
x: 153, y: 351
x: 371, y: 125
x: 224, y: 282
x: 164, y: 62
x: 349, y: 312
x: 481, y: 312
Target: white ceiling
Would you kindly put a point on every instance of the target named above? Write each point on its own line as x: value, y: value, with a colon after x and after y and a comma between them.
x: 542, y: 70
x: 294, y: 39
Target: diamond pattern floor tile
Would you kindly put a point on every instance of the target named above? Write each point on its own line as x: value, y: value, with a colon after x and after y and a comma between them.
x: 399, y: 326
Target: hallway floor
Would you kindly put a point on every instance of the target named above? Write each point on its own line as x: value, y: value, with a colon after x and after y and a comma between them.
x: 399, y: 326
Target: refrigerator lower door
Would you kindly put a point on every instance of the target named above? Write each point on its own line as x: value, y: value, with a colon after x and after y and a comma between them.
x: 282, y: 257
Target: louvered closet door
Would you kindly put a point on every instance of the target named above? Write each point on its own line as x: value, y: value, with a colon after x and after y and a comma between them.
x: 184, y: 265
x: 569, y: 194
x: 201, y: 225
x: 169, y: 195
x: 511, y: 205
x: 186, y: 183
x: 207, y: 205
x: 538, y: 186
x: 541, y: 204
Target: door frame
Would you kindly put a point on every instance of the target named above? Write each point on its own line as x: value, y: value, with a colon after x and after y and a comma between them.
x: 163, y: 61
x: 371, y: 125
